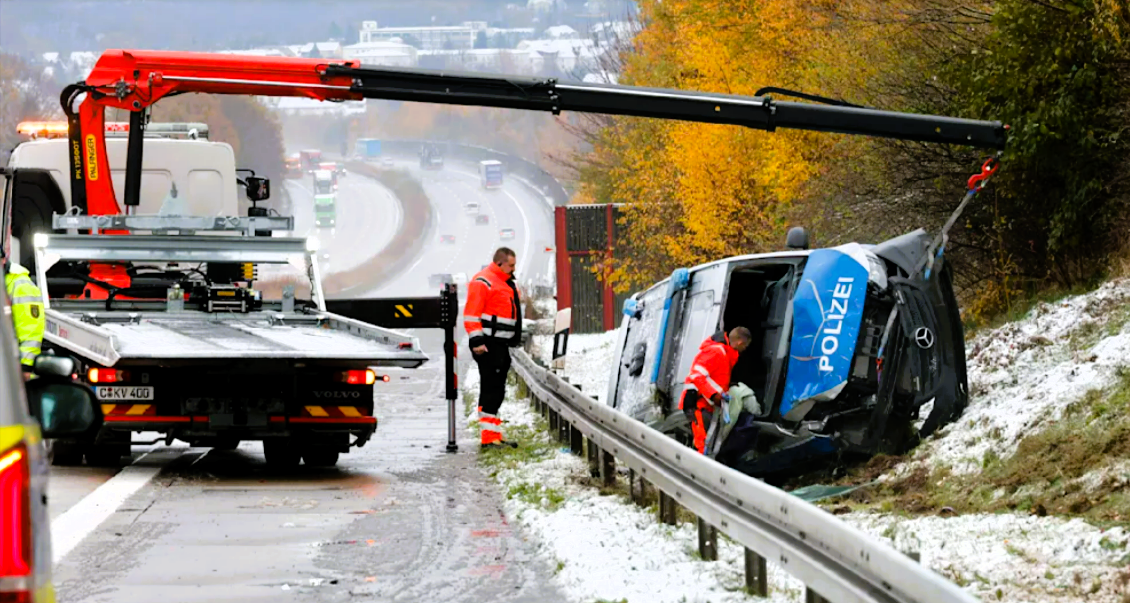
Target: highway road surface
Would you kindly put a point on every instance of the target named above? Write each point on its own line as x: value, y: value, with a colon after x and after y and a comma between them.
x: 514, y: 206
x: 397, y: 520
x: 368, y: 215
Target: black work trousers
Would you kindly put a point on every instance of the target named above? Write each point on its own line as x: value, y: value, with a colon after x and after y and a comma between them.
x: 494, y: 366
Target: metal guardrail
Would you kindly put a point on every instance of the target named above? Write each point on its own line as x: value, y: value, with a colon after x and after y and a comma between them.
x: 836, y: 561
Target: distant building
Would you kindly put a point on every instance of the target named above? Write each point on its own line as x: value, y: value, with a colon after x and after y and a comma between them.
x: 389, y: 54
x: 508, y: 37
x: 326, y: 50
x: 446, y: 37
x: 561, y: 32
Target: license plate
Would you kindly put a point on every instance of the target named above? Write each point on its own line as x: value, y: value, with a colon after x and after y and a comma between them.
x: 124, y: 393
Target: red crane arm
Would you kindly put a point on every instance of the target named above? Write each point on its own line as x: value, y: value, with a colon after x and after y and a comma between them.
x: 134, y: 80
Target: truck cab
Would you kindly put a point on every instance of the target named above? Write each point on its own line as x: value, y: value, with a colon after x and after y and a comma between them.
x: 204, y: 173
x: 849, y: 346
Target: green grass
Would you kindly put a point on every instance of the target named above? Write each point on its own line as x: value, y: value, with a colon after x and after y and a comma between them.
x: 1041, y: 477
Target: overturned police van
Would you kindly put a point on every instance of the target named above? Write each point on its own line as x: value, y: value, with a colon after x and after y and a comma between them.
x: 852, y: 346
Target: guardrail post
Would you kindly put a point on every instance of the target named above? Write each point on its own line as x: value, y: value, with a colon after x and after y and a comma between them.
x: 576, y: 440
x: 563, y: 433
x: 607, y: 468
x: 756, y: 574
x: 553, y: 419
x: 811, y: 596
x: 707, y: 541
x: 667, y: 509
x: 593, y: 458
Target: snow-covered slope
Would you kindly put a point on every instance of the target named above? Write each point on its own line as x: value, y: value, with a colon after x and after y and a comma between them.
x: 1023, y: 375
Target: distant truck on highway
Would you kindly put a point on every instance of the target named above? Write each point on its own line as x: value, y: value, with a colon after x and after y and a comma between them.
x: 310, y: 159
x: 367, y: 148
x: 325, y: 199
x: 294, y: 166
x: 490, y: 173
x: 431, y: 157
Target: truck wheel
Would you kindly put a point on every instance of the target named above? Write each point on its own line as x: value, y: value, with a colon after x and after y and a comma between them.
x: 106, y: 455
x: 66, y: 454
x: 281, y: 452
x: 320, y: 457
x: 226, y: 444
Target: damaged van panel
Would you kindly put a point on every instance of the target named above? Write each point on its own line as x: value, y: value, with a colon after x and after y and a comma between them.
x: 848, y: 345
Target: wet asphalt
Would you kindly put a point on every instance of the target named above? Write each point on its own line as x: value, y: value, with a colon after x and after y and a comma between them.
x: 397, y: 520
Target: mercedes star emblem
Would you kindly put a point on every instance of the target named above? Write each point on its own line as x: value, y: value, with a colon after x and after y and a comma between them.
x: 924, y: 338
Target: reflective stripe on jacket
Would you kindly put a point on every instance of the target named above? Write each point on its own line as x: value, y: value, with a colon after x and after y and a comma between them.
x: 711, y: 367
x: 27, y: 312
x: 493, y: 307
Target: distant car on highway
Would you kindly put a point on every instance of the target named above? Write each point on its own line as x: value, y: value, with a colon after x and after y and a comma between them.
x: 386, y: 162
x: 447, y: 239
x: 436, y: 281
x: 471, y: 207
x: 482, y: 219
x: 459, y: 278
x: 506, y: 234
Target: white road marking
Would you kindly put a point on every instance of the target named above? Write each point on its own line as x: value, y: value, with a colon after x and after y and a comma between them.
x: 76, y: 523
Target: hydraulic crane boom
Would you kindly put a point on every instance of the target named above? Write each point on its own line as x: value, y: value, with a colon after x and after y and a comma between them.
x: 133, y: 80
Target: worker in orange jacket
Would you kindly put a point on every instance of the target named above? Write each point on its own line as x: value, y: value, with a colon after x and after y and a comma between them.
x: 708, y: 383
x: 493, y: 320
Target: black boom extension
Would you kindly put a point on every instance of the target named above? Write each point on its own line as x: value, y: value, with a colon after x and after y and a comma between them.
x: 759, y: 112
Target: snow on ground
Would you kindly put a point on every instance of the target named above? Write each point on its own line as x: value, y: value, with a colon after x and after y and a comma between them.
x: 1013, y: 557
x: 1024, y: 374
x: 607, y: 548
x: 588, y: 360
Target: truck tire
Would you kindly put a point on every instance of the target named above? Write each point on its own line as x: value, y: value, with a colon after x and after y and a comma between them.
x: 320, y: 456
x: 66, y: 454
x: 226, y: 444
x: 281, y: 453
x: 106, y: 455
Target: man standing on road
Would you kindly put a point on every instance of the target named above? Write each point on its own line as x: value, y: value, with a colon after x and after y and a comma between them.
x: 493, y: 320
x: 708, y: 384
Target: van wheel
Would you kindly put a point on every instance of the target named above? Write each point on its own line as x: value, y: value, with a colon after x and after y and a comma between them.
x: 320, y: 457
x: 281, y: 453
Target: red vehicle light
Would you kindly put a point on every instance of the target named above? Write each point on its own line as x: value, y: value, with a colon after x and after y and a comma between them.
x: 106, y: 375
x: 15, y: 517
x: 358, y: 377
x: 407, y: 345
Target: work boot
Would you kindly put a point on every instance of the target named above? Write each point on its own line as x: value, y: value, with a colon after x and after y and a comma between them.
x: 499, y: 445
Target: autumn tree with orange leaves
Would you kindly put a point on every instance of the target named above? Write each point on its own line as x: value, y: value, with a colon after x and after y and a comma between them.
x: 1058, y: 71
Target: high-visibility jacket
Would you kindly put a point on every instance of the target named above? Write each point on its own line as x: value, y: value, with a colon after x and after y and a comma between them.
x: 27, y: 312
x: 493, y: 309
x: 711, y: 368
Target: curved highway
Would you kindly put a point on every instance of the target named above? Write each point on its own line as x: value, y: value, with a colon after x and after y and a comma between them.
x: 514, y: 206
x: 368, y: 215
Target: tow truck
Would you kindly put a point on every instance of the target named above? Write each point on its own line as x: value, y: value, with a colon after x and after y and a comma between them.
x: 133, y: 80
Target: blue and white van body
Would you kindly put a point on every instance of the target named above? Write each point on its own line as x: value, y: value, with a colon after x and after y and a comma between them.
x: 850, y: 346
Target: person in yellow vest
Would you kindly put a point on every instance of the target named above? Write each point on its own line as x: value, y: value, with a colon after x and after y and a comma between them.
x: 26, y: 302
